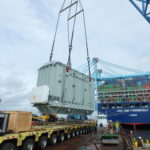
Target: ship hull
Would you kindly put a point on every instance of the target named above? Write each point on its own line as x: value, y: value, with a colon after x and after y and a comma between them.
x: 130, y: 116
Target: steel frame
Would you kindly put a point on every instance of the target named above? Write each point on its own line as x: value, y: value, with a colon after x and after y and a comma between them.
x: 144, y: 10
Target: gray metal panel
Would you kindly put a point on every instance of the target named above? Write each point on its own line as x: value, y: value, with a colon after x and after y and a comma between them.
x: 3, y: 123
x: 69, y: 91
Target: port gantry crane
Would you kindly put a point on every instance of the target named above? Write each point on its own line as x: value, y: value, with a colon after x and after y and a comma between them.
x: 108, y: 70
x: 143, y: 6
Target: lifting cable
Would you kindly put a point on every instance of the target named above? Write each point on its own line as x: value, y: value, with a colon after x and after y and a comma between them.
x: 72, y: 35
x: 51, y: 54
x: 68, y: 28
x: 87, y: 50
x: 70, y: 41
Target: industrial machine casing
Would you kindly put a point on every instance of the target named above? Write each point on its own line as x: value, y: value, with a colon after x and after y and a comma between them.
x: 63, y: 92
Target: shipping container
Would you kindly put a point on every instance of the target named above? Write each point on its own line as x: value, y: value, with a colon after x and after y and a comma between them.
x: 125, y: 89
x: 63, y: 92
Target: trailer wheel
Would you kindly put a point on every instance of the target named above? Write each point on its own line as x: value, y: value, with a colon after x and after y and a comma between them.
x: 43, y: 142
x: 86, y: 130
x: 83, y: 131
x: 77, y: 132
x: 53, y: 139
x: 8, y: 146
x: 72, y: 134
x: 28, y: 144
x: 91, y: 129
x: 61, y: 137
x: 68, y: 136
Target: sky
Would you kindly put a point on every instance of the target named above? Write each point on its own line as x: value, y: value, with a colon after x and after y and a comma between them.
x: 116, y: 33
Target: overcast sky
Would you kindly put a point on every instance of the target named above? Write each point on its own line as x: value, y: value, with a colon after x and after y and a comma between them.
x: 116, y: 33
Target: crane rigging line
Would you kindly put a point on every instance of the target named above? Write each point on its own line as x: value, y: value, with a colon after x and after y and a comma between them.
x: 87, y: 50
x: 77, y: 3
x: 85, y: 69
x: 72, y: 35
x: 110, y: 69
x: 121, y: 67
x: 51, y: 54
x: 68, y: 28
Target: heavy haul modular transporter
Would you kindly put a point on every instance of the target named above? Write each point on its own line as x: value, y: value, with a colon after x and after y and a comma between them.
x: 40, y: 135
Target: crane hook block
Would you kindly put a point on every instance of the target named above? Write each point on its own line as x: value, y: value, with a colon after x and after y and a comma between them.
x: 67, y: 69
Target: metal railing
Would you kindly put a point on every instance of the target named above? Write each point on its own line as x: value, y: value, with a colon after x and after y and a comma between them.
x: 126, y: 141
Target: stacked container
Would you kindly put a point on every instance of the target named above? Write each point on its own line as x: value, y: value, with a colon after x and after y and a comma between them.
x: 130, y: 89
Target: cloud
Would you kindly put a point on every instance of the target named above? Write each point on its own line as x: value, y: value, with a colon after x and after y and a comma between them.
x: 116, y: 33
x: 14, y: 94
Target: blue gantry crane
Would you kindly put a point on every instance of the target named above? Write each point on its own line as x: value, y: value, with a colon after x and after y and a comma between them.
x: 102, y: 70
x: 143, y: 6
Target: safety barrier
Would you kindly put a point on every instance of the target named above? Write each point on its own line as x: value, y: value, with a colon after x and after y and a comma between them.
x: 127, y: 143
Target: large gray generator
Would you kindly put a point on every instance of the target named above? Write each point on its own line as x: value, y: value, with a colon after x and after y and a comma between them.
x: 63, y: 92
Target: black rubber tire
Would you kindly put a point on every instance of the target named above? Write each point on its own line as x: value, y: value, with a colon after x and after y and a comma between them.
x: 91, y: 129
x: 43, y: 142
x: 68, y: 136
x: 28, y: 144
x: 86, y: 130
x: 53, y: 139
x: 95, y: 129
x: 81, y: 131
x: 8, y: 146
x: 73, y: 134
x: 77, y: 132
x: 61, y: 137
